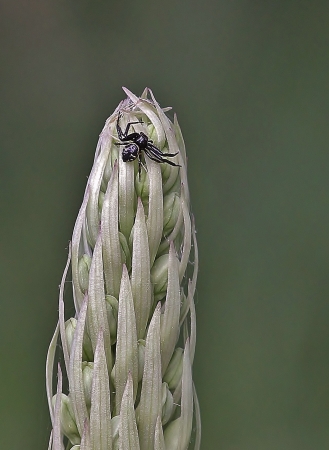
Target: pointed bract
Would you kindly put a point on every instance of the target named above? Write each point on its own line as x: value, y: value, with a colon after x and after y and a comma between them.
x: 159, y: 443
x: 150, y: 403
x: 112, y: 259
x: 75, y: 372
x: 126, y: 347
x: 170, y: 318
x: 128, y: 434
x: 100, y: 412
x: 140, y: 272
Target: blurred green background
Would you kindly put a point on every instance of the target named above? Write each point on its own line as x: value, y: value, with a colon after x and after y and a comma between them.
x: 249, y: 81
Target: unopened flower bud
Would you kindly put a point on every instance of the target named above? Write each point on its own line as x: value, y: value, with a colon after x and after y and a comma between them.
x: 143, y: 188
x: 84, y: 267
x: 87, y: 374
x: 171, y: 210
x: 174, y: 371
x: 70, y: 326
x: 112, y: 306
x: 101, y: 200
x: 67, y: 420
x: 159, y: 276
x: 87, y: 351
x: 167, y: 404
x: 125, y: 252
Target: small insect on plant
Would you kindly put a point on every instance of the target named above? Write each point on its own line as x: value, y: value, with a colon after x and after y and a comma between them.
x: 136, y: 143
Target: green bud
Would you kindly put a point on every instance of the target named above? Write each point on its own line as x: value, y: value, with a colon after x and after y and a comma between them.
x: 171, y: 210
x: 87, y: 375
x: 87, y: 351
x: 167, y: 403
x: 125, y: 252
x: 171, y: 179
x: 87, y: 348
x: 112, y: 306
x: 173, y: 435
x: 68, y: 424
x: 84, y: 267
x: 70, y: 326
x: 174, y: 371
x: 101, y: 201
x: 159, y: 276
x: 143, y: 188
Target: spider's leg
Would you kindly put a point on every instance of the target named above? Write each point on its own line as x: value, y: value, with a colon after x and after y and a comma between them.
x: 158, y: 159
x: 170, y: 162
x: 154, y: 150
x: 152, y: 156
x: 124, y: 135
x: 121, y: 136
x: 170, y: 155
x: 157, y: 151
x: 143, y: 165
x: 159, y: 155
x: 128, y: 126
x: 140, y: 165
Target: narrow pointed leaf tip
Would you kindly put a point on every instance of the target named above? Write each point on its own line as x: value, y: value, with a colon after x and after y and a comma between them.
x: 134, y: 261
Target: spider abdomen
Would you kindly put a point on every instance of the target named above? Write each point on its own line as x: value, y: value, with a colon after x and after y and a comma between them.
x: 130, y: 152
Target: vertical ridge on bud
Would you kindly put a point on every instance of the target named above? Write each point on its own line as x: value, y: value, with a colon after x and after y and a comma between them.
x: 187, y: 236
x: 159, y: 443
x: 96, y: 313
x: 110, y: 236
x: 129, y: 347
x: 85, y: 438
x: 49, y: 371
x: 150, y: 401
x: 126, y: 349
x: 128, y: 436
x: 76, y: 245
x: 61, y: 312
x: 75, y: 371
x: 155, y: 214
x: 187, y: 398
x: 94, y: 185
x: 127, y: 196
x: 57, y: 430
x: 140, y: 272
x: 100, y: 412
x: 170, y: 317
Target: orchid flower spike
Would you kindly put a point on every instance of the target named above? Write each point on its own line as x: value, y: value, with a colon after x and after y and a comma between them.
x: 127, y: 351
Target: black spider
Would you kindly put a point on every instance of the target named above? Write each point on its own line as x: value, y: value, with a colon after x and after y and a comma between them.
x: 139, y: 143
